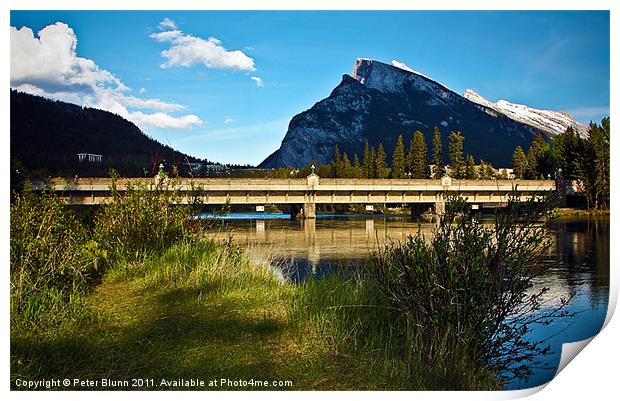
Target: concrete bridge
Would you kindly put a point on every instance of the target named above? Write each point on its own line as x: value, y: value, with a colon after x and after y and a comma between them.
x: 303, y: 194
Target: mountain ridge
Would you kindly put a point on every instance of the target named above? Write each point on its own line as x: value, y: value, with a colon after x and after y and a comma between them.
x: 381, y: 101
x: 46, y: 136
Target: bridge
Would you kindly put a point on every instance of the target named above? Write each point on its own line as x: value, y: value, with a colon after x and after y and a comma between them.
x: 303, y: 194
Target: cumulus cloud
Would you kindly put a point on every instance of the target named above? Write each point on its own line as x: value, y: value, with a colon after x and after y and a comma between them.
x: 187, y: 50
x: 48, y: 65
x: 228, y: 120
x: 258, y: 80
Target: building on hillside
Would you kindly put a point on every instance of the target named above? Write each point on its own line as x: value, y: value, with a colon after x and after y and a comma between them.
x: 89, y: 157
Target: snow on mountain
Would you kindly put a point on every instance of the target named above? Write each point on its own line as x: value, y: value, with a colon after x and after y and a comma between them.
x: 554, y: 122
x: 397, y: 78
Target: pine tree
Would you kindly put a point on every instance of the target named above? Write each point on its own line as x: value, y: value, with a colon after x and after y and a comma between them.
x: 531, y: 172
x: 398, y: 159
x: 437, y: 154
x: 455, y: 150
x: 419, y: 167
x: 358, y: 172
x: 486, y: 171
x: 347, y: 168
x: 380, y: 165
x: 373, y: 163
x: 592, y: 164
x: 367, y: 167
x: 337, y: 162
x: 519, y: 163
x: 566, y: 147
x: 409, y: 157
x: 470, y: 168
x: 537, y: 158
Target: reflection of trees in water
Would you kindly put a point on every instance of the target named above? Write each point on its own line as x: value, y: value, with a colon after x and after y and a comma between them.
x: 582, y: 247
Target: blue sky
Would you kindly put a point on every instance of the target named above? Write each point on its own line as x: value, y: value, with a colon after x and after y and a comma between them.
x: 230, y: 98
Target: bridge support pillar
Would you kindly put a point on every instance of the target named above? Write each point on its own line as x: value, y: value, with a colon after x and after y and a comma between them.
x: 305, y: 211
x: 440, y: 208
x: 309, y: 211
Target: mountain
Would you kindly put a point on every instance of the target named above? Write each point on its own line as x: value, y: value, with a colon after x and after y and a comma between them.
x: 381, y: 101
x: 549, y: 121
x: 47, y: 135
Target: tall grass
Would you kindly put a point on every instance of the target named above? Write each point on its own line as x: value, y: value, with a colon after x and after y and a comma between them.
x: 53, y: 261
x: 144, y: 220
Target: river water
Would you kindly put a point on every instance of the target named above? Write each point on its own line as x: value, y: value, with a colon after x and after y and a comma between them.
x: 316, y: 247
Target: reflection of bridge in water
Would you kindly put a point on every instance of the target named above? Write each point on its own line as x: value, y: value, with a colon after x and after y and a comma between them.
x: 583, y: 246
x: 315, y: 240
x: 302, y: 195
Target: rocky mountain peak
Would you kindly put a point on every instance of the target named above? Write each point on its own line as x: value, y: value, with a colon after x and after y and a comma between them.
x: 553, y: 122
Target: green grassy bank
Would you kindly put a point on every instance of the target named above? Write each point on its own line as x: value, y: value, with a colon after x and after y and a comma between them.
x: 142, y: 299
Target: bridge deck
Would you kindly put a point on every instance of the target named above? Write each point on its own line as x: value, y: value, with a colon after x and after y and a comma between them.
x: 313, y: 189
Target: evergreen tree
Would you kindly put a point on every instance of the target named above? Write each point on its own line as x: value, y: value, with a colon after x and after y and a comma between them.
x: 566, y: 146
x: 368, y: 163
x: 519, y: 163
x: 486, y: 171
x: 455, y: 150
x: 373, y: 163
x: 419, y: 168
x: 437, y: 154
x: 600, y: 137
x: 398, y: 159
x: 531, y: 173
x: 592, y: 164
x: 380, y: 165
x: 325, y: 170
x: 347, y: 168
x: 337, y: 162
x: 358, y: 171
x: 470, y: 168
x: 409, y: 157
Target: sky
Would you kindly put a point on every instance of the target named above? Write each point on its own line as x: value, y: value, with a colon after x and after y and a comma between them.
x: 223, y: 85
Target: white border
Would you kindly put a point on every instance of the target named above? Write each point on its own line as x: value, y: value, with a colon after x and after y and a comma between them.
x: 593, y: 375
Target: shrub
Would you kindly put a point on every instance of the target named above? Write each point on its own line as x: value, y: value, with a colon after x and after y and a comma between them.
x: 467, y: 289
x: 143, y: 220
x: 51, y: 254
x: 451, y: 311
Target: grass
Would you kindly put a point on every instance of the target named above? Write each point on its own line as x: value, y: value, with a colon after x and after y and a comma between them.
x: 145, y: 295
x: 197, y: 311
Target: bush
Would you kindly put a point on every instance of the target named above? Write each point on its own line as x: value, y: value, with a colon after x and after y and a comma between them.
x: 144, y: 220
x: 447, y: 312
x: 467, y: 289
x: 51, y: 254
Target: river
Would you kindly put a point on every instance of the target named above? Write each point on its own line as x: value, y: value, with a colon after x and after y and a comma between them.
x: 316, y: 247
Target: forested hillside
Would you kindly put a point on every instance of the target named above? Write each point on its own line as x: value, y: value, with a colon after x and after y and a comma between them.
x: 47, y: 135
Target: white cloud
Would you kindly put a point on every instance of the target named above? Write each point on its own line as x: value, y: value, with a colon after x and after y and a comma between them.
x: 166, y: 36
x: 142, y: 90
x: 167, y: 23
x: 187, y: 50
x: 48, y: 66
x: 228, y: 120
x: 150, y: 104
x: 258, y: 80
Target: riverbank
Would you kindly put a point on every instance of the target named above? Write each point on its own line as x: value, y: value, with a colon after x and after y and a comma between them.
x: 142, y: 293
x: 566, y: 212
x: 203, y: 311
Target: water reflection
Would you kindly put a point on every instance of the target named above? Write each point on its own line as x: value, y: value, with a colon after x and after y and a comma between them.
x: 579, y: 245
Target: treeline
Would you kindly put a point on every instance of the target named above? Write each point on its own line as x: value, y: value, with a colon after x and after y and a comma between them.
x: 571, y: 157
x: 406, y: 162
